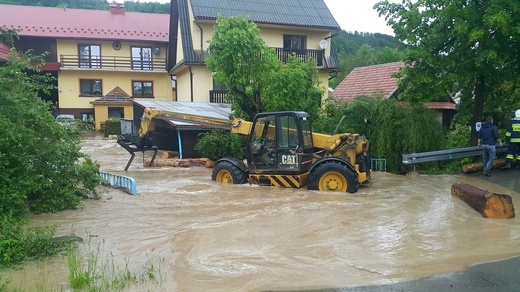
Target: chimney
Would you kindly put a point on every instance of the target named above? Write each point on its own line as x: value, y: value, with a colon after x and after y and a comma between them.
x: 117, y: 8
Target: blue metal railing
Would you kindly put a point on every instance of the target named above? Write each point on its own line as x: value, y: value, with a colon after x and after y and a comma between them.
x: 119, y: 181
x: 378, y: 164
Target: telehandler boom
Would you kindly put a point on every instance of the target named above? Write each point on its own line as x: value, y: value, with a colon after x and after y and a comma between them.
x: 283, y: 151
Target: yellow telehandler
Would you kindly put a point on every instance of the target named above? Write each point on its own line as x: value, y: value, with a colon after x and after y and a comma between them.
x: 283, y: 151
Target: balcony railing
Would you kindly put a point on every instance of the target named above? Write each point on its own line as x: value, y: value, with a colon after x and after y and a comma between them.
x: 113, y: 63
x: 217, y: 96
x: 304, y: 55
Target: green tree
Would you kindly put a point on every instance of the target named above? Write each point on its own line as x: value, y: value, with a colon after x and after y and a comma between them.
x: 255, y: 78
x: 452, y: 46
x: 240, y: 59
x: 394, y: 130
x: 40, y: 166
x: 296, y: 87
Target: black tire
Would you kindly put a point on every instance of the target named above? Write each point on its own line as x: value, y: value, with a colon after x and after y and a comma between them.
x: 227, y: 172
x: 333, y: 176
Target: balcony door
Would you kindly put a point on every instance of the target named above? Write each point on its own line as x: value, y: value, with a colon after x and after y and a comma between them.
x: 89, y: 56
x: 141, y: 58
x: 294, y: 42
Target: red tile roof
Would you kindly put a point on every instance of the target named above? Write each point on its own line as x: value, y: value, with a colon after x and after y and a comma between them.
x: 82, y: 23
x: 378, y: 79
x: 441, y: 105
x: 4, y: 52
x: 369, y: 80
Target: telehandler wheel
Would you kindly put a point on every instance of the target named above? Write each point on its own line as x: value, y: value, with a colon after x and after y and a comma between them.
x: 333, y: 176
x: 226, y: 172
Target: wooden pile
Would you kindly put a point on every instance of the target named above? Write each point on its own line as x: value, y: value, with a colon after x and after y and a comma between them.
x: 477, y: 166
x: 176, y: 162
x: 490, y: 205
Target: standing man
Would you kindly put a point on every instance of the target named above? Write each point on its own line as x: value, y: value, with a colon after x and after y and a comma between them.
x: 487, y: 138
x: 513, y: 138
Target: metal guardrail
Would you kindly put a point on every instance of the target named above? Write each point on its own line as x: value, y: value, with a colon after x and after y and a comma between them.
x: 119, y: 181
x: 431, y: 156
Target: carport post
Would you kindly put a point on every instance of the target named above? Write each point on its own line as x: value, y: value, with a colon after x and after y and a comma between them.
x: 180, y: 143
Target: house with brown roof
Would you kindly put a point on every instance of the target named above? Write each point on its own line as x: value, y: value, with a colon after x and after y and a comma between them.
x: 377, y: 80
x: 92, y: 52
x: 303, y: 27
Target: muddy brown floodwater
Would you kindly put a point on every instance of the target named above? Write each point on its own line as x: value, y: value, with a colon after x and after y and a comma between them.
x: 218, y: 237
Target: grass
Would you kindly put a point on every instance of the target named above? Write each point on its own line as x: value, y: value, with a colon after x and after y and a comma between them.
x: 95, y: 273
x: 89, y: 269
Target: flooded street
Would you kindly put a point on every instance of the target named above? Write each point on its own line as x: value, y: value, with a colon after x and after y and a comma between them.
x: 205, y: 236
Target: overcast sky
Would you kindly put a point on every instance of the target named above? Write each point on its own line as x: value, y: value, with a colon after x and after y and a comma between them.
x: 351, y: 15
x: 358, y: 15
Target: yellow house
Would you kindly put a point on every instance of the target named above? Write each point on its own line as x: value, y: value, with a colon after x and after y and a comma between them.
x: 305, y: 29
x: 93, y: 53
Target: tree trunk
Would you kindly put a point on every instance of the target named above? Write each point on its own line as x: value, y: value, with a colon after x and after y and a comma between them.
x: 490, y: 205
x: 477, y: 166
x: 478, y: 107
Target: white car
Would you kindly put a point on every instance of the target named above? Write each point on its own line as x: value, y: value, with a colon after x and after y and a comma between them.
x: 65, y: 119
x: 68, y: 122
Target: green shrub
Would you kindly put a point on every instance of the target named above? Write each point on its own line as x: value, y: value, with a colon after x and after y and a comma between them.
x: 112, y: 127
x: 18, y: 244
x: 218, y: 143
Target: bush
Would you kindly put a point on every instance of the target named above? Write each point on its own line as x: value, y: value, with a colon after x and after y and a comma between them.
x: 218, y: 144
x: 112, y: 127
x: 40, y: 168
x: 17, y: 244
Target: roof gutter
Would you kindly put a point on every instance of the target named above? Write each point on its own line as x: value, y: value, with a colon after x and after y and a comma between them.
x: 332, y: 35
x: 201, y: 41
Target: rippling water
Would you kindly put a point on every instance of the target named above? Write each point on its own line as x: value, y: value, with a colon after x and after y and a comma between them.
x: 218, y: 237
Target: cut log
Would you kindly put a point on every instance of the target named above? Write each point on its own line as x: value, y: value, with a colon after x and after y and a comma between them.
x: 490, y: 205
x: 477, y: 166
x: 190, y: 162
x: 170, y: 154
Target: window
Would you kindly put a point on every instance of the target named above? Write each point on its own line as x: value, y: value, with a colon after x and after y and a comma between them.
x: 288, y: 132
x: 87, y: 117
x: 307, y: 134
x: 89, y: 87
x: 141, y: 58
x: 89, y: 56
x: 142, y: 88
x: 294, y: 42
x: 116, y: 113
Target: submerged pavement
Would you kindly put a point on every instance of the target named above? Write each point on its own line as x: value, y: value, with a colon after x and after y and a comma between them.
x: 489, y: 277
x: 507, y: 178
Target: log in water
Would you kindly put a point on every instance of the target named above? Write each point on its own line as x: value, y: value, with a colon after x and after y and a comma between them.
x: 490, y: 205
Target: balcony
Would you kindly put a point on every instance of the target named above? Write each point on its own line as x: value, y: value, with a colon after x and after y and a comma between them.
x: 303, y: 54
x: 109, y: 63
x: 217, y: 96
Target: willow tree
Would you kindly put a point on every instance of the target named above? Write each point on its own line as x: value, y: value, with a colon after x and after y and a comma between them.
x: 456, y: 46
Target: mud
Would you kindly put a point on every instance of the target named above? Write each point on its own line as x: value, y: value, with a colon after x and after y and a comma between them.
x: 216, y: 237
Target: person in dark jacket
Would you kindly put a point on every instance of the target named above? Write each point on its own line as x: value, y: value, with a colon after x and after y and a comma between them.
x: 513, y: 141
x: 487, y: 139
